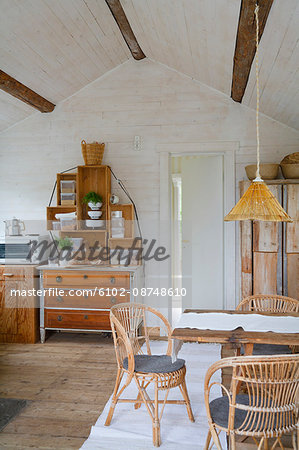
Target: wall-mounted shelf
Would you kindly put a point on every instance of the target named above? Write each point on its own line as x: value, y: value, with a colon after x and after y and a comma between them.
x: 96, y: 179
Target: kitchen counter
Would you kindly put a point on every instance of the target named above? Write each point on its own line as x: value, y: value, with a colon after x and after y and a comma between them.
x: 93, y: 268
x: 16, y: 262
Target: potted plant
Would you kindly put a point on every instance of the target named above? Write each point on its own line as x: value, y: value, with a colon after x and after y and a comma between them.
x: 65, y: 244
x: 93, y: 200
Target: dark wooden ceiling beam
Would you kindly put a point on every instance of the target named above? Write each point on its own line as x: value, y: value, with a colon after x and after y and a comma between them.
x: 125, y: 28
x: 23, y: 93
x: 246, y: 42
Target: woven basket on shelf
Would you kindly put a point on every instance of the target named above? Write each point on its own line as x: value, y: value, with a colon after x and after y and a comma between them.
x: 92, y: 153
x: 293, y: 158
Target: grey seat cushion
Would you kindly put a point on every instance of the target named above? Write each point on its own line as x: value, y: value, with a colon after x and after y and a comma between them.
x: 220, y: 410
x: 270, y: 349
x: 155, y: 364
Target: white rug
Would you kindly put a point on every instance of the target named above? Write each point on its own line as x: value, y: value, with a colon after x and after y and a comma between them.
x: 131, y: 429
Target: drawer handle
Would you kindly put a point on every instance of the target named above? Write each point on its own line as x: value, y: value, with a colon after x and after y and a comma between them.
x: 59, y: 298
x: 113, y: 300
x: 85, y: 277
x: 85, y: 317
x: 8, y: 274
x: 112, y: 280
x: 59, y: 318
x: 59, y: 279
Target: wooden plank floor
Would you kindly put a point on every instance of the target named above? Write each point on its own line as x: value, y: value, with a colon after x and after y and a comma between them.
x: 68, y: 381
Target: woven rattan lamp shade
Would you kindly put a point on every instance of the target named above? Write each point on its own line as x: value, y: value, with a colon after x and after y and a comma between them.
x: 258, y: 203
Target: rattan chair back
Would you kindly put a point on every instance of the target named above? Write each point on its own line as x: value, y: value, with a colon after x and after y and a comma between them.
x: 269, y: 303
x: 272, y: 385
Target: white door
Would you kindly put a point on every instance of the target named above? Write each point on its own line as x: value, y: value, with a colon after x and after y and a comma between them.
x: 202, y: 231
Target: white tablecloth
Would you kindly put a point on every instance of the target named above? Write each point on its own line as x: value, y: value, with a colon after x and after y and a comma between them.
x: 228, y: 322
x: 249, y: 322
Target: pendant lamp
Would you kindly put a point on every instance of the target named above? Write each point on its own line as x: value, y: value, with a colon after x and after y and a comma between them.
x: 258, y: 202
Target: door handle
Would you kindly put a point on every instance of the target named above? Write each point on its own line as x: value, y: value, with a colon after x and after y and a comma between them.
x: 8, y: 274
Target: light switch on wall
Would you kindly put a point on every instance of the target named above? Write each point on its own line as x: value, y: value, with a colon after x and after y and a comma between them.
x: 137, y: 144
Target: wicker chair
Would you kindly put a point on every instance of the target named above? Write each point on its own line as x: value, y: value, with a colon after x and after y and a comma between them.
x: 130, y: 331
x: 269, y: 303
x: 270, y: 408
x: 272, y: 304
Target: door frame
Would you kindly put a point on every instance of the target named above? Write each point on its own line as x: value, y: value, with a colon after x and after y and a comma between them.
x: 228, y: 149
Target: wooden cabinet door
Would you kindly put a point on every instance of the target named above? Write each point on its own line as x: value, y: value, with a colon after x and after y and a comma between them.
x: 18, y: 311
x: 265, y: 273
x: 292, y: 244
x: 8, y: 311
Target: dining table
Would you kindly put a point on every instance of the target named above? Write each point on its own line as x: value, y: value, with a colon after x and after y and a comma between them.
x: 237, y: 328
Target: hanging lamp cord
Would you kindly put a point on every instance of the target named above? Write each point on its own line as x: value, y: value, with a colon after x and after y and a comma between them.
x: 257, y: 93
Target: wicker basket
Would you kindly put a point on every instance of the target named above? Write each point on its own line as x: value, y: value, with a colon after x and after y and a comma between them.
x: 293, y: 158
x: 92, y: 153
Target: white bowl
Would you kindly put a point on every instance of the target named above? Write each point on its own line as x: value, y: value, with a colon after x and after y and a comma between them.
x: 95, y: 214
x: 95, y: 206
x: 94, y: 223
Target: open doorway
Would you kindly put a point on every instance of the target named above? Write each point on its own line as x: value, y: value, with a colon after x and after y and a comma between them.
x: 197, y: 232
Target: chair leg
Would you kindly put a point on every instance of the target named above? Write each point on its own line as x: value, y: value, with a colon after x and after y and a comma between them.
x: 208, y: 440
x: 260, y: 444
x: 266, y: 444
x: 232, y: 442
x: 114, y: 401
x: 156, y: 421
x: 215, y: 437
x: 187, y: 400
x: 294, y: 441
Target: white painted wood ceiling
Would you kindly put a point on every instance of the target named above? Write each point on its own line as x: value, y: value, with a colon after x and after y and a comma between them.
x: 56, y: 47
x: 197, y: 37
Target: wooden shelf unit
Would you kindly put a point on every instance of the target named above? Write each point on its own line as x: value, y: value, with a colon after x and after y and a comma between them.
x: 62, y: 177
x: 97, y: 179
x: 52, y: 210
x: 128, y: 215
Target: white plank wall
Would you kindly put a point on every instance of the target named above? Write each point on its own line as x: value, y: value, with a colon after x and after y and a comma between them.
x: 137, y: 98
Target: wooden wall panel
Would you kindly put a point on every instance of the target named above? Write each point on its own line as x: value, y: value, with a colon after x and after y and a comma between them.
x: 246, y: 250
x: 265, y: 273
x: 293, y: 275
x: 292, y: 245
x: 265, y: 234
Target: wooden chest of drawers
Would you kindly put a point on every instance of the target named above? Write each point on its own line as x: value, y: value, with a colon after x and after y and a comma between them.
x: 76, y: 299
